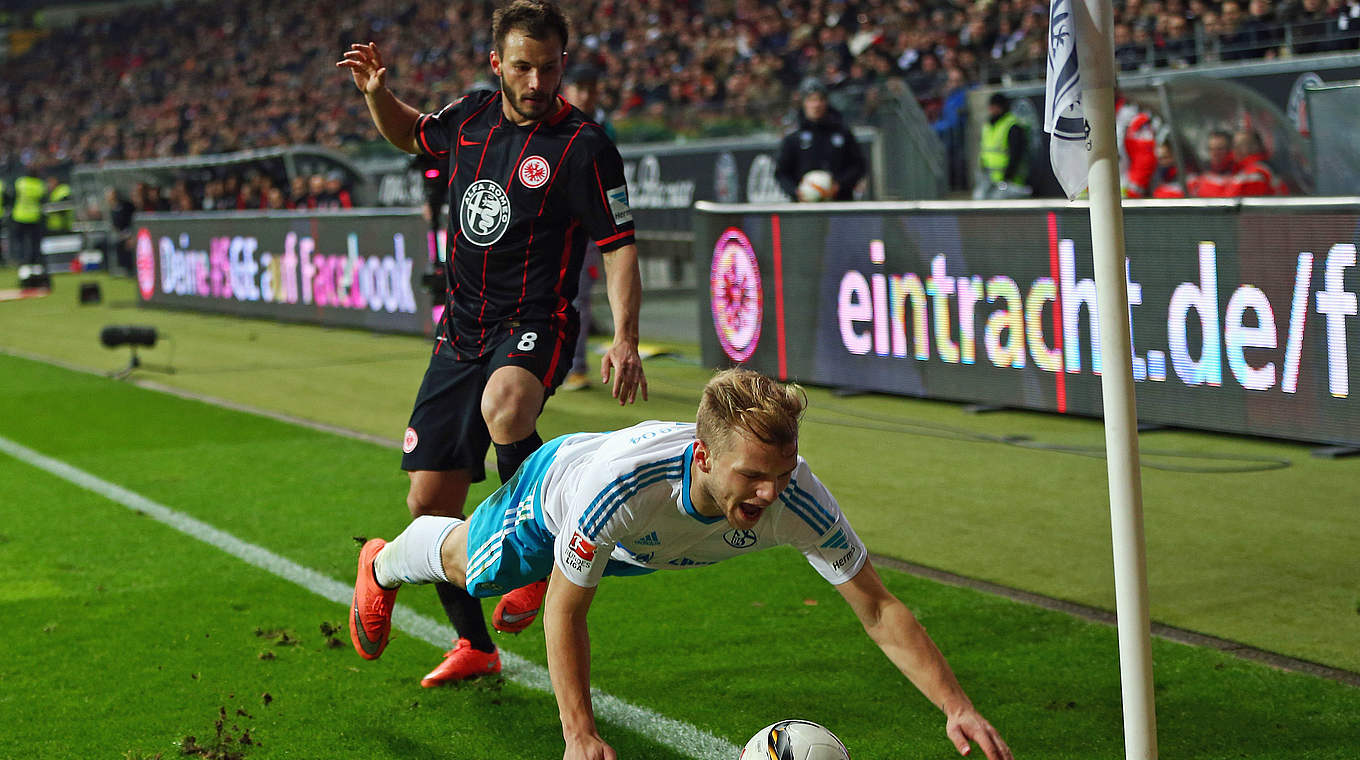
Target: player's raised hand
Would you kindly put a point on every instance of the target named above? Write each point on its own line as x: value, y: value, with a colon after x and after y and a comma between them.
x: 365, y: 65
x: 625, y: 364
x: 970, y: 725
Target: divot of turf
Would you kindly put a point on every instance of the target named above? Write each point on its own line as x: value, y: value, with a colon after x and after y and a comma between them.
x: 228, y: 742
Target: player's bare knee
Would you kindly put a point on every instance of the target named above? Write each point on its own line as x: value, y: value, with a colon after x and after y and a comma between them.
x: 436, y: 494
x: 416, y: 505
x: 510, y: 412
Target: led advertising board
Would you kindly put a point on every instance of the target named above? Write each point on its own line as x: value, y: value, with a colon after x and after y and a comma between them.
x: 1244, y: 316
x: 354, y: 269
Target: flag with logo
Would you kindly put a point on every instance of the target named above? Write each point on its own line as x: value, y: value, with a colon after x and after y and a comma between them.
x: 1069, y: 143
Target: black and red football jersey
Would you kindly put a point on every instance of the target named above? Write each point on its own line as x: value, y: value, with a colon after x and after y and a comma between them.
x: 523, y: 202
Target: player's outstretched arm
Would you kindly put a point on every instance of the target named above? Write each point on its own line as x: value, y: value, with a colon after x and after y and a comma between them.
x: 624, y: 283
x: 568, y: 642
x: 394, y: 119
x: 905, y: 641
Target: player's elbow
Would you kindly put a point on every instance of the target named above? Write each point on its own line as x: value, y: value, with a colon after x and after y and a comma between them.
x: 884, y: 620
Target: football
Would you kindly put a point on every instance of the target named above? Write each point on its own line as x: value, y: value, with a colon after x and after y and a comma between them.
x: 794, y: 740
x: 815, y: 186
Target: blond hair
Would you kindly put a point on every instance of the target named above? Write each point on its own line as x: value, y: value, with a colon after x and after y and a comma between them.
x: 740, y: 399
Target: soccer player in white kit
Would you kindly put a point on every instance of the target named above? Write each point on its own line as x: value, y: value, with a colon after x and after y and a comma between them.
x: 655, y: 496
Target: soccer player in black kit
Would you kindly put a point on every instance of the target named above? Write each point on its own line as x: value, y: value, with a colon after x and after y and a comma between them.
x: 531, y: 179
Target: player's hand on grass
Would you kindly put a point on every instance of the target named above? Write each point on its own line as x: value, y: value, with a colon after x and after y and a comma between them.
x: 589, y: 748
x: 365, y: 65
x: 625, y: 364
x: 969, y: 725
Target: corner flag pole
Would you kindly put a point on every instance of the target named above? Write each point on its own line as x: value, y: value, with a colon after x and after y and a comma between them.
x: 1080, y: 114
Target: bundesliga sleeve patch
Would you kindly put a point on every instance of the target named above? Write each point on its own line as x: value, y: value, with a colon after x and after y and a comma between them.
x: 618, y: 205
x: 583, y: 548
x: 577, y: 555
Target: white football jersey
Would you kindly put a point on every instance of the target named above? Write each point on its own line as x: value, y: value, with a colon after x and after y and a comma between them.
x: 619, y: 504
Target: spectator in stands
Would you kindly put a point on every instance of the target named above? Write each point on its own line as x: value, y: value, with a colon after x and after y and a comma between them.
x: 1146, y: 43
x: 1167, y: 180
x: 1136, y: 129
x: 180, y: 199
x: 821, y: 141
x: 1178, y: 42
x: 1264, y: 29
x: 333, y: 193
x: 213, y: 198
x: 1210, y: 26
x: 1216, y: 180
x: 925, y: 80
x: 952, y: 124
x: 249, y: 199
x: 1253, y: 177
x: 153, y: 201
x: 274, y: 200
x: 297, y: 192
x: 1003, y: 157
x: 1032, y: 65
x: 1345, y: 15
x: 1007, y: 38
x: 1235, y: 41
x: 129, y: 91
x: 581, y: 88
x: 231, y: 191
x: 1313, y: 27
x: 1128, y: 55
x: 316, y: 189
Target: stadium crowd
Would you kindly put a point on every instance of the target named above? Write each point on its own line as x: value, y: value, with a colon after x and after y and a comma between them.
x: 196, y: 78
x: 252, y: 191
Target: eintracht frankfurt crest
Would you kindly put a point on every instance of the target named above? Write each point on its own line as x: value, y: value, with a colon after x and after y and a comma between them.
x: 533, y: 172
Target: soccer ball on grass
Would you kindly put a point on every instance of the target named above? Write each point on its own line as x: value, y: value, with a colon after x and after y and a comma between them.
x: 794, y: 740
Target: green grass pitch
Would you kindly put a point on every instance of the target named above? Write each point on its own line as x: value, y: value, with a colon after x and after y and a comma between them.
x: 128, y: 636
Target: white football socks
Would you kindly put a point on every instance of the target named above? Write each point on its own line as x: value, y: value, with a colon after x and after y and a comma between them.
x: 414, y: 556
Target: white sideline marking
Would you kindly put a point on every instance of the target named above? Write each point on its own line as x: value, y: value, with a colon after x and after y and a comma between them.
x: 675, y: 734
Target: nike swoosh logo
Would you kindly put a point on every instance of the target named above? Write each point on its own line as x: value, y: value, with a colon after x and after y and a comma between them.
x: 511, y: 617
x: 369, y: 647
x: 464, y: 141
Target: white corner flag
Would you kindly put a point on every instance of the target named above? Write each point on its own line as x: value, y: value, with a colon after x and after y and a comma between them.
x: 1079, y: 114
x: 1069, y: 143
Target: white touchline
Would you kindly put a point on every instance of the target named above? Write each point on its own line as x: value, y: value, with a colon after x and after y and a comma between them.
x: 675, y: 734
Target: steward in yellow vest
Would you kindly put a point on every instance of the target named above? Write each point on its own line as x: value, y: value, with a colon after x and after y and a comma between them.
x: 1005, y: 145
x: 26, y: 220
x: 59, y: 221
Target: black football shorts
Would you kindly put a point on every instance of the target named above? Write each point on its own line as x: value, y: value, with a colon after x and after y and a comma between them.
x: 447, y: 430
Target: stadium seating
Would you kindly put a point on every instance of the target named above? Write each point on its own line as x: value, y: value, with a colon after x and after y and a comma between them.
x: 197, y: 78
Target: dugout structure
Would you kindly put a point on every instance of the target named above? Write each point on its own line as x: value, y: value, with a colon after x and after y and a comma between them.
x: 1332, y: 111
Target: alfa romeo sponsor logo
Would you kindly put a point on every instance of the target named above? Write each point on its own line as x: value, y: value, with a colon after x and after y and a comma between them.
x: 533, y: 171
x: 146, y: 264
x: 409, y: 441
x: 484, y: 213
x: 734, y: 284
